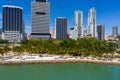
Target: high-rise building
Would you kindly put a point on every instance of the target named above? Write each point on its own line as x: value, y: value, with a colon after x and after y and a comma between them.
x: 115, y: 31
x: 101, y: 32
x: 79, y: 22
x: 91, y: 30
x: 40, y: 19
x: 61, y: 28
x: 13, y: 24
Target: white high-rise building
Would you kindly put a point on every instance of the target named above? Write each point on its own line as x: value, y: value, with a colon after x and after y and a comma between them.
x: 91, y: 30
x: 79, y: 22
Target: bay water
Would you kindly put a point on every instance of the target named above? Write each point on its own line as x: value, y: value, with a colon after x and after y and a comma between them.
x: 66, y: 71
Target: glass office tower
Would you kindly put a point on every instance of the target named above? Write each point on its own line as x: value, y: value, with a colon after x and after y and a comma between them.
x: 13, y: 25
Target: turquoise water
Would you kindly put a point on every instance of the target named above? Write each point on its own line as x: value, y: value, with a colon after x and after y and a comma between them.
x: 74, y: 71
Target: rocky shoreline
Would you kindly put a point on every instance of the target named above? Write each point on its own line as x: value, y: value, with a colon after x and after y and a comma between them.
x: 57, y: 62
x: 55, y: 59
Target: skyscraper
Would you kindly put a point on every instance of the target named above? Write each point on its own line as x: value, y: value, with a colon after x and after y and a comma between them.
x: 40, y: 19
x: 100, y: 32
x: 61, y: 28
x: 79, y: 22
x: 115, y: 31
x: 91, y: 30
x: 13, y: 24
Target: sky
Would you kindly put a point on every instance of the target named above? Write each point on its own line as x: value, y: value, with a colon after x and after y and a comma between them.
x: 108, y: 12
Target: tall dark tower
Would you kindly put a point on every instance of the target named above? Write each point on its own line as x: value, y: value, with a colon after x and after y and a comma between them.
x: 115, y: 31
x: 40, y: 19
x: 61, y: 28
x: 101, y: 32
x: 13, y: 28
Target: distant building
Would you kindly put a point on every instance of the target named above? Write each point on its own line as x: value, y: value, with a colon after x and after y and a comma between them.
x: 85, y: 32
x: 78, y: 30
x: 101, y: 32
x: 71, y: 29
x: 53, y: 33
x: 61, y: 28
x: 40, y: 19
x: 79, y: 22
x: 74, y: 33
x: 13, y: 24
x: 25, y: 35
x: 115, y: 31
x: 111, y: 37
x: 0, y: 33
x: 106, y: 37
x: 91, y: 30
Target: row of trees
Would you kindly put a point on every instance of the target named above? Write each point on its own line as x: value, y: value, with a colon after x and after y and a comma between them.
x: 4, y: 50
x: 4, y: 41
x: 86, y: 47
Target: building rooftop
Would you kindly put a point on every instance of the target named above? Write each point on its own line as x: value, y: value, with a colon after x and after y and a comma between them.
x: 11, y: 6
x: 61, y: 17
x: 78, y: 11
x: 92, y: 9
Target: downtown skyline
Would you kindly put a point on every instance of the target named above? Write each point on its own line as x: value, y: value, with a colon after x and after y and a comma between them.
x: 105, y: 12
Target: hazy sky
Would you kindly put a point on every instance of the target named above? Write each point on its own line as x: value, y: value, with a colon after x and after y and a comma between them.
x: 108, y: 11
